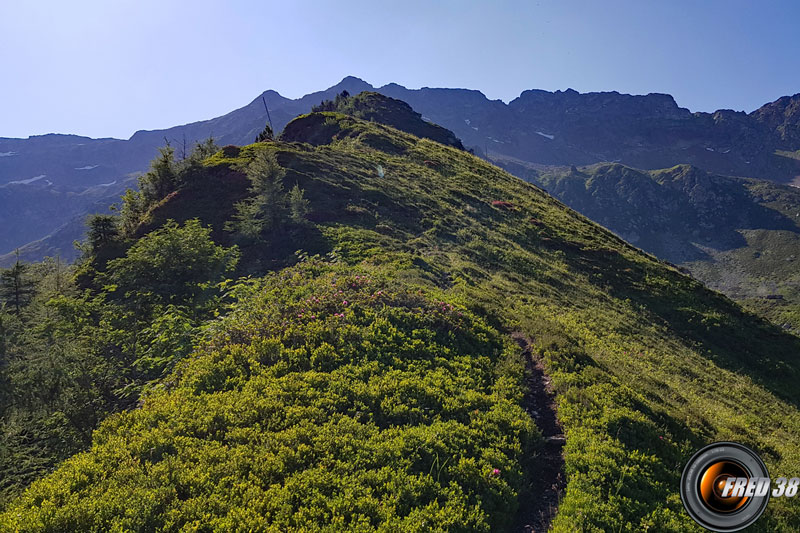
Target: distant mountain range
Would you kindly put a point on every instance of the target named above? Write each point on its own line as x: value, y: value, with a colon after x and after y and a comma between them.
x: 49, y: 182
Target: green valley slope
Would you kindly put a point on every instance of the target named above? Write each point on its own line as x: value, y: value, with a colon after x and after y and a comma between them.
x: 738, y: 236
x: 376, y: 388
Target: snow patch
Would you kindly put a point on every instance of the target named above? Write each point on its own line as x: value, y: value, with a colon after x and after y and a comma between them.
x: 27, y: 181
x: 551, y: 137
x: 467, y: 121
x: 709, y: 149
x: 107, y: 184
x: 474, y: 128
x: 87, y: 167
x: 7, y: 154
x: 726, y: 151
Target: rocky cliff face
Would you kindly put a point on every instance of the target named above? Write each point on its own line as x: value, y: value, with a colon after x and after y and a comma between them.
x: 783, y: 117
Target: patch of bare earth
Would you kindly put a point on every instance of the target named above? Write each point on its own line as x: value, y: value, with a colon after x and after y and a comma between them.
x: 545, y: 480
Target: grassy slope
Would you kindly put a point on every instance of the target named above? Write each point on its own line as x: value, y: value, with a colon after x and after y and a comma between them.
x: 648, y: 364
x: 739, y: 236
x: 768, y: 265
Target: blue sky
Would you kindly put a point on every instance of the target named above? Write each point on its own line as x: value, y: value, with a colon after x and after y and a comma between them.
x: 108, y: 68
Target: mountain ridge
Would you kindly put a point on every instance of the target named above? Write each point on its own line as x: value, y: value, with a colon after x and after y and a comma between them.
x: 563, y: 128
x: 379, y: 379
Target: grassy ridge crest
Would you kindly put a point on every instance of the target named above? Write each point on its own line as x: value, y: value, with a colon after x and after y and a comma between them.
x: 648, y: 364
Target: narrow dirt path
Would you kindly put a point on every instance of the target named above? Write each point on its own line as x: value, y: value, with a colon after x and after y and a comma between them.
x: 546, y: 481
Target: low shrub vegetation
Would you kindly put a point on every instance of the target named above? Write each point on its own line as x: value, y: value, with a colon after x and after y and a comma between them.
x: 378, y: 389
x: 326, y: 400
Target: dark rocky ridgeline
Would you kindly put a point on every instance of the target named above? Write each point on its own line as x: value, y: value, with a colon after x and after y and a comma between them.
x: 537, y: 128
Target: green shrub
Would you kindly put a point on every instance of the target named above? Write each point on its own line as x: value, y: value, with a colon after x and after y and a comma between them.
x: 327, y: 400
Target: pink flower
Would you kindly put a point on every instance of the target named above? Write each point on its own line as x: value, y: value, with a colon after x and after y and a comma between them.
x: 344, y: 302
x: 496, y: 472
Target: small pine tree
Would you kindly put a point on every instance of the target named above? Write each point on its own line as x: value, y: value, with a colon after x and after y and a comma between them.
x: 133, y: 208
x: 4, y: 319
x: 247, y: 221
x: 266, y: 178
x: 162, y: 178
x: 266, y: 209
x: 204, y: 149
x: 16, y: 287
x: 265, y: 135
x: 102, y: 230
x: 337, y: 104
x: 298, y: 205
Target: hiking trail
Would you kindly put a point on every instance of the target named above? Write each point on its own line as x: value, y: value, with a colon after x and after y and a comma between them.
x: 545, y: 476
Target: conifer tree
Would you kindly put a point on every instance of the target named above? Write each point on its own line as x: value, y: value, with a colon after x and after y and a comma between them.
x: 298, y: 205
x: 16, y: 288
x: 133, y: 208
x: 266, y: 209
x: 162, y: 177
x: 204, y: 149
x: 266, y: 134
x: 102, y: 230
